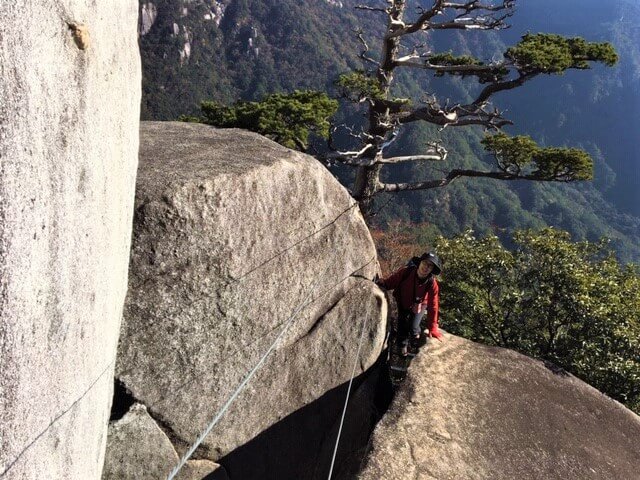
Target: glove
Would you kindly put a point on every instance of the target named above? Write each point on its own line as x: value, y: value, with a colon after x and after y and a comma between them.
x: 435, y: 333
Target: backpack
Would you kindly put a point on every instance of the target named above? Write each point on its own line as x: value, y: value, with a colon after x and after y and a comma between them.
x: 412, y: 263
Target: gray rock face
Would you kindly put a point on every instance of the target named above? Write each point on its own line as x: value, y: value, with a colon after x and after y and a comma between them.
x: 476, y: 412
x: 138, y: 449
x: 233, y: 234
x: 69, y: 109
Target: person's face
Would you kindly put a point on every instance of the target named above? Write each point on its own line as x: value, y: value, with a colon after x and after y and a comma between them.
x: 425, y: 268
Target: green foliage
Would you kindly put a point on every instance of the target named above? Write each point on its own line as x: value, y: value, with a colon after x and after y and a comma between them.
x: 514, y: 154
x: 286, y: 118
x: 567, y: 302
x: 189, y: 119
x: 357, y: 86
x: 570, y: 163
x: 448, y: 59
x: 551, y: 53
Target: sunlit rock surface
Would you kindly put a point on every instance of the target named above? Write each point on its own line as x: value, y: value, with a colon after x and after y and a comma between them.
x: 476, y: 412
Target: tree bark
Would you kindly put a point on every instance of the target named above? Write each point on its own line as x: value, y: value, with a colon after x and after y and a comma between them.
x: 366, y: 186
x: 367, y: 181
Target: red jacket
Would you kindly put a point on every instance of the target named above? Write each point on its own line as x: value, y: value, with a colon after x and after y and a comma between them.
x: 407, y: 290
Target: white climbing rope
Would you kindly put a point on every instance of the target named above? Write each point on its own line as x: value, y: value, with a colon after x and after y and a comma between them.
x: 246, y: 380
x: 346, y: 400
x: 235, y: 394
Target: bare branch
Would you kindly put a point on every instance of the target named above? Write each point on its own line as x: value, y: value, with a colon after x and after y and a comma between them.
x: 420, y: 24
x: 501, y: 86
x: 363, y: 55
x: 368, y: 162
x: 463, y: 21
x: 436, y: 152
x: 466, y: 69
x: 426, y: 15
x: 361, y: 135
x: 443, y: 182
x: 419, y: 50
x: 406, y: 59
x: 474, y: 113
x: 457, y: 173
x: 387, y: 143
x: 476, y: 5
x: 414, y: 158
x: 355, y: 154
x: 435, y: 9
x: 472, y: 23
x: 349, y: 160
x: 457, y: 116
x: 364, y: 138
x: 371, y: 9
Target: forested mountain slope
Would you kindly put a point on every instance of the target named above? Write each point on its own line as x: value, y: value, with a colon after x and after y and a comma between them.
x: 232, y: 49
x: 240, y: 49
x: 600, y: 110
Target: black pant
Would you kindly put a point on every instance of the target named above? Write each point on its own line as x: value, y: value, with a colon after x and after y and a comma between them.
x: 408, y: 325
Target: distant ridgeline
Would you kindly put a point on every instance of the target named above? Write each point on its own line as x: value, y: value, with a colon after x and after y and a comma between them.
x: 226, y: 50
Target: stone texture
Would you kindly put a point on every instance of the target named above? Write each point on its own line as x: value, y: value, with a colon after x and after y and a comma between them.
x: 201, y: 469
x: 476, y: 412
x: 232, y: 234
x: 138, y: 448
x: 69, y: 109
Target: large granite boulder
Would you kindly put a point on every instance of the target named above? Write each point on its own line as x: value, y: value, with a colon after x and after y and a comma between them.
x: 234, y: 235
x: 69, y: 110
x: 476, y: 412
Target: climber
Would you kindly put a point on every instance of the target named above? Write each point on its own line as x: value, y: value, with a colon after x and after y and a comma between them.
x: 416, y: 291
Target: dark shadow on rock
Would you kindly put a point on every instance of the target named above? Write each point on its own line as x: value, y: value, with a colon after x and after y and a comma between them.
x: 122, y: 401
x: 555, y: 368
x: 300, y: 446
x: 218, y: 474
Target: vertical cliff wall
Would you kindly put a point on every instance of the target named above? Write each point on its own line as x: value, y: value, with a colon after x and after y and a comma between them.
x: 69, y: 109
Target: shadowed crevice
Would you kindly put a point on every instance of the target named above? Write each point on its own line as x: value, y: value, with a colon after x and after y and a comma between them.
x: 301, y: 445
x: 123, y: 400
